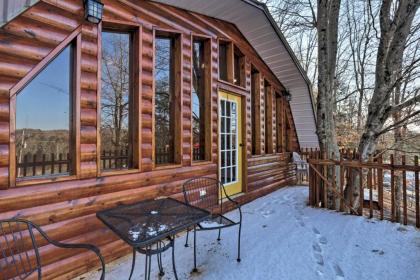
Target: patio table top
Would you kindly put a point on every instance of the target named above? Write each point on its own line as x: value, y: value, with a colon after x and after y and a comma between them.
x: 146, y: 222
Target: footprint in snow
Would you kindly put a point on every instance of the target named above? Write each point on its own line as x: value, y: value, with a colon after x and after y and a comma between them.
x: 315, y: 230
x: 339, y: 274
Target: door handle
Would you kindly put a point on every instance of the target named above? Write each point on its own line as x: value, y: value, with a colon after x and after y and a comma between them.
x: 241, y: 145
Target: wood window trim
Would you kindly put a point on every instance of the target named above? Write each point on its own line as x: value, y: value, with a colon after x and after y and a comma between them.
x: 208, y: 155
x: 178, y: 61
x: 74, y: 138
x: 230, y: 61
x: 256, y: 112
x: 242, y: 62
x: 268, y: 118
x: 135, y: 95
x: 232, y: 88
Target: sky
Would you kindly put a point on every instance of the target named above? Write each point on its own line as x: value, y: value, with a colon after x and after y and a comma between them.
x: 45, y: 102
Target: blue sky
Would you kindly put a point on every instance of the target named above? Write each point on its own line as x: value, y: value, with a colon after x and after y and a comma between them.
x: 45, y: 102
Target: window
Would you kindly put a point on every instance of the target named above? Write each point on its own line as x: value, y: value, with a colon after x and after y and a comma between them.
x: 280, y: 121
x: 167, y: 107
x: 116, y: 105
x: 223, y: 61
x: 239, y: 68
x: 228, y: 141
x: 200, y: 112
x: 268, y: 103
x: 43, y: 121
x: 255, y: 113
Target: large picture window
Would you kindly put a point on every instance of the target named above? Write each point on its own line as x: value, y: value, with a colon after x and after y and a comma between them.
x: 116, y: 94
x: 43, y: 121
x: 165, y: 99
x: 199, y: 98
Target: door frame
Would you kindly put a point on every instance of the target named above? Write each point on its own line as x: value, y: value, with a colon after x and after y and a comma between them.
x: 243, y: 148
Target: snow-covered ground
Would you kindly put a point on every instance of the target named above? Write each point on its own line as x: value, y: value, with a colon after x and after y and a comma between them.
x: 284, y: 239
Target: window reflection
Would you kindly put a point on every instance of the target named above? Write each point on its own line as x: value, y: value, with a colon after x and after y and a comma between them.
x: 198, y: 101
x: 115, y: 101
x: 164, y: 100
x: 43, y: 118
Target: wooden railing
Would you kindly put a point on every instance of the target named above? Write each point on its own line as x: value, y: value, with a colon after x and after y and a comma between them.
x: 388, y: 190
x: 41, y: 165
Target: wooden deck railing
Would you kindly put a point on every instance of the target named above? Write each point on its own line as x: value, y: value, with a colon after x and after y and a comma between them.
x: 388, y: 190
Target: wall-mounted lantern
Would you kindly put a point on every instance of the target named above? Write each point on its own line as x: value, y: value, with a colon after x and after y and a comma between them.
x: 287, y: 95
x: 93, y: 10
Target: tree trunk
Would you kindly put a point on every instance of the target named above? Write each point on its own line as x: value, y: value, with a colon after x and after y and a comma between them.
x: 395, y: 28
x: 327, y: 26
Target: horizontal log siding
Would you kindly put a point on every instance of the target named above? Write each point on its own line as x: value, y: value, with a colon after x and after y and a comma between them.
x: 66, y: 209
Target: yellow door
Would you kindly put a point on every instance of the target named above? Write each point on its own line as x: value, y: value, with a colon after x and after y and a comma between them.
x: 230, y: 142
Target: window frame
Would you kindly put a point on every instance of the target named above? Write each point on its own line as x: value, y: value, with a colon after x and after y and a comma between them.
x: 280, y: 122
x: 268, y: 117
x: 229, y: 60
x: 75, y: 42
x: 241, y: 65
x: 206, y: 40
x: 255, y: 111
x: 177, y: 88
x: 135, y: 96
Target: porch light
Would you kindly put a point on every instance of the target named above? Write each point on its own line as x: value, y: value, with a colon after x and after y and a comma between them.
x: 287, y: 95
x: 93, y: 10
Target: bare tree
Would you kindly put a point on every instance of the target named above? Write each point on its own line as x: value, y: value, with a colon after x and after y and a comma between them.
x: 395, y: 24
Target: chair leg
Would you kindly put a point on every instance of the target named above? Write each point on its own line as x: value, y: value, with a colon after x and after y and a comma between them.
x: 218, y: 238
x: 239, y: 243
x: 173, y: 258
x: 186, y: 239
x: 195, y: 250
x: 133, y: 263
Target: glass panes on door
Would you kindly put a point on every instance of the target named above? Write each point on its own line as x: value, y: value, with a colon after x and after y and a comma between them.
x: 228, y: 141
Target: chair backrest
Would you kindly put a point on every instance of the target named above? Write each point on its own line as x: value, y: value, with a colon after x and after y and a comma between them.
x: 203, y: 192
x: 296, y: 157
x: 19, y: 255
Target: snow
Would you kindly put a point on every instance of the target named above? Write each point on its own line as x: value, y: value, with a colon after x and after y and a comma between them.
x: 210, y: 224
x: 284, y: 239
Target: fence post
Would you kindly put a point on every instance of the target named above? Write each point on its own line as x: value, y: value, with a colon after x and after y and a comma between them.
x: 392, y: 190
x: 381, y: 187
x: 342, y: 169
x: 361, y: 189
x: 34, y: 165
x: 350, y: 177
x: 369, y: 184
x: 404, y: 173
x: 334, y: 185
x: 417, y: 189
x: 325, y: 174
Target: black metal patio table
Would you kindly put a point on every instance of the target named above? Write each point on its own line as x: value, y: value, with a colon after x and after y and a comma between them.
x: 146, y: 225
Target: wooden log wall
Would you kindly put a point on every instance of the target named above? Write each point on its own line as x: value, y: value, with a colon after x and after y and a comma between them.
x: 65, y: 207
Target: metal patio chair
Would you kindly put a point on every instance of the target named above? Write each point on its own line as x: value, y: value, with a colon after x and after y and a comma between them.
x: 205, y: 193
x: 302, y: 168
x: 18, y: 244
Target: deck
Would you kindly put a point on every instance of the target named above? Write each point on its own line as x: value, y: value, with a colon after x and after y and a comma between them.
x: 283, y: 238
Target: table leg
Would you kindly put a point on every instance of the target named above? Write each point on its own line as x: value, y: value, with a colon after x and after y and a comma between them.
x: 173, y: 258
x: 159, y: 260
x: 133, y: 263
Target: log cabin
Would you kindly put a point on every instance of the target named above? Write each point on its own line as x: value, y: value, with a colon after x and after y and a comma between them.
x: 127, y: 105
